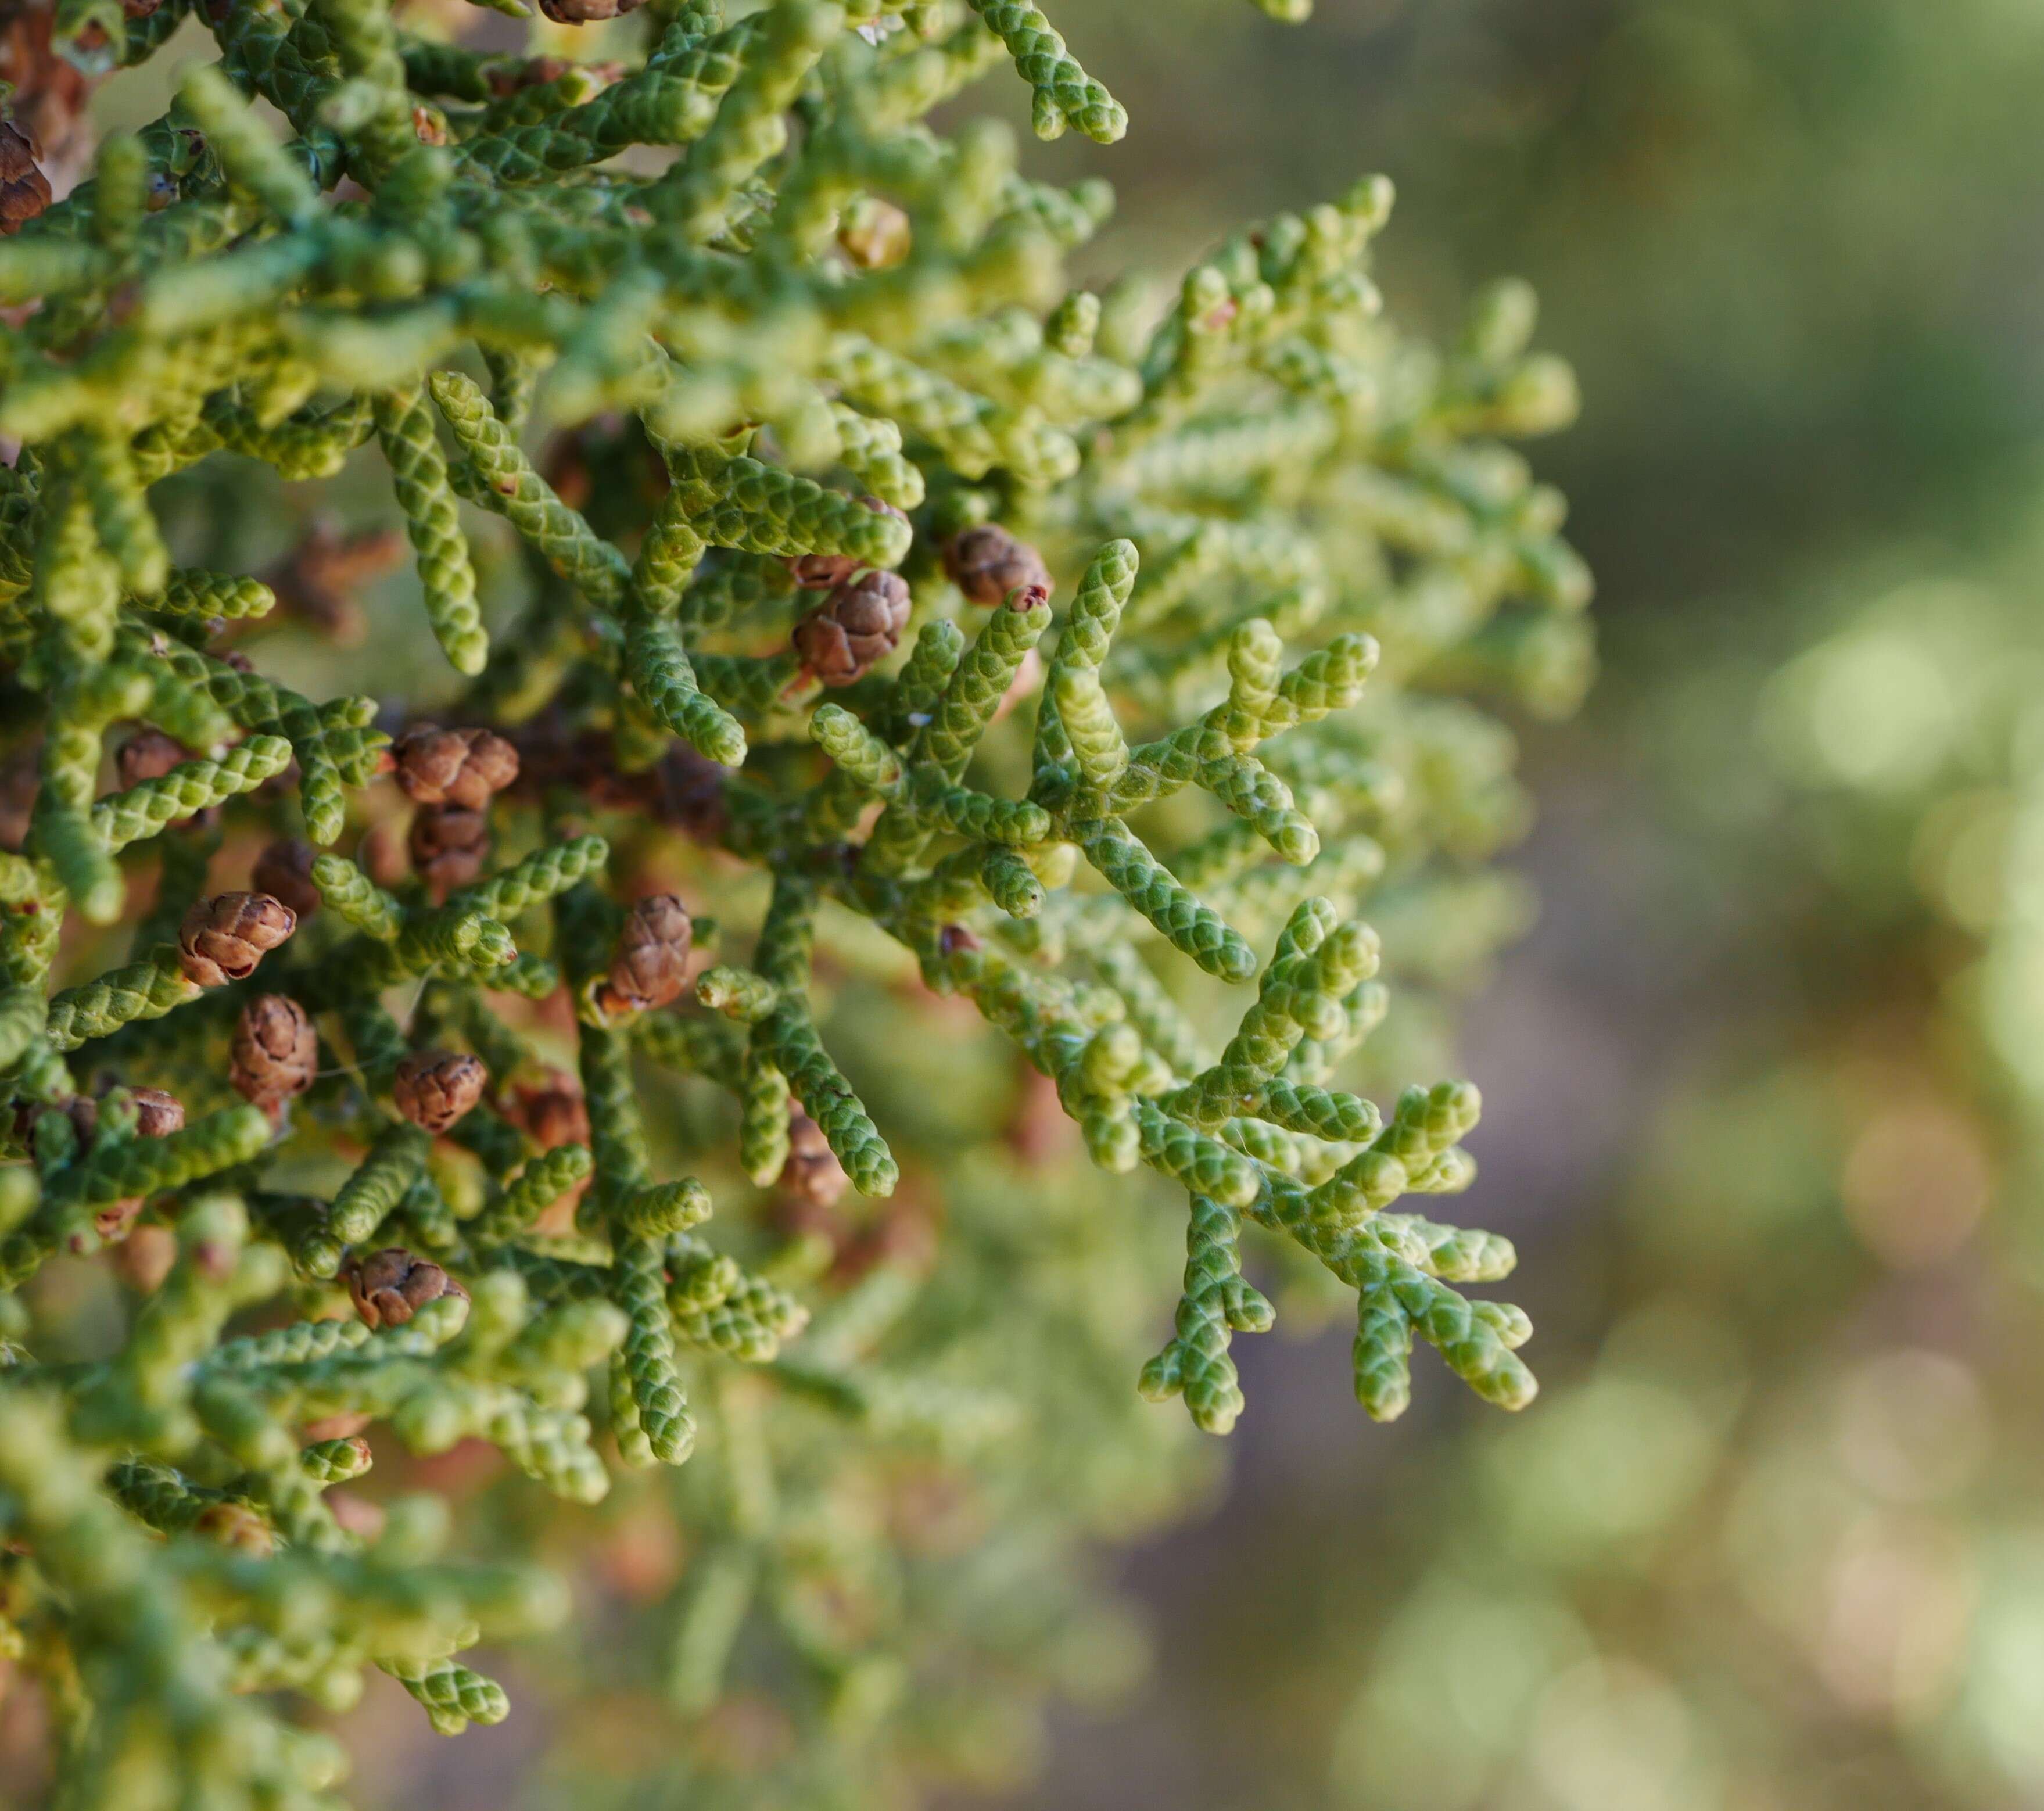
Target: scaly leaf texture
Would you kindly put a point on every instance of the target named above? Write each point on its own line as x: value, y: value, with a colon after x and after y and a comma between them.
x: 900, y: 704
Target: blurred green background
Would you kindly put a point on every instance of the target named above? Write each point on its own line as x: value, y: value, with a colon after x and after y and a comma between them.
x: 1764, y: 1085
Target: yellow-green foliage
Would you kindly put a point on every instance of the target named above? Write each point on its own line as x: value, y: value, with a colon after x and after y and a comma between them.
x: 1281, y: 535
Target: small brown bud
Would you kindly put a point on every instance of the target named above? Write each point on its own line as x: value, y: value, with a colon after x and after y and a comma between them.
x: 988, y: 563
x: 429, y: 125
x: 955, y: 939
x: 148, y: 755
x: 284, y: 871
x: 392, y: 1286
x: 434, y: 1088
x: 222, y: 939
x: 859, y: 623
x: 235, y: 1526
x: 463, y: 767
x: 550, y: 1115
x: 650, y: 965
x: 274, y: 1053
x: 448, y: 844
x: 157, y: 1114
x: 826, y: 571
x: 811, y: 1171
x: 874, y: 234
x: 25, y: 190
x: 586, y: 12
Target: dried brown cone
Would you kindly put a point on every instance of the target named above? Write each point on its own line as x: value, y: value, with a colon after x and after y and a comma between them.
x: 988, y: 563
x: 317, y: 581
x: 586, y: 12
x: 464, y: 767
x: 25, y: 190
x: 811, y: 1172
x: 434, y: 1088
x: 552, y: 1113
x: 448, y: 844
x: 50, y: 94
x: 826, y: 571
x: 284, y: 871
x: 274, y: 1053
x: 859, y: 623
x: 391, y: 1285
x: 650, y: 964
x: 222, y: 939
x: 158, y: 1112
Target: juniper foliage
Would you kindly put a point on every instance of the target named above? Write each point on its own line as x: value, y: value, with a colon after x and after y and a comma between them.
x: 796, y: 343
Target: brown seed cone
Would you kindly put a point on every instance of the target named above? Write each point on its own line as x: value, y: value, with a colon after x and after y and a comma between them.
x: 434, y: 1088
x: 158, y: 1113
x: 25, y: 190
x: 50, y: 94
x: 811, y: 1171
x: 859, y: 623
x: 650, y: 967
x: 463, y: 767
x: 284, y: 871
x: 238, y: 1526
x: 448, y: 844
x: 274, y: 1053
x: 988, y: 563
x: 586, y: 12
x: 392, y: 1286
x: 826, y: 571
x: 222, y: 939
x: 553, y: 1114
x: 317, y: 581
